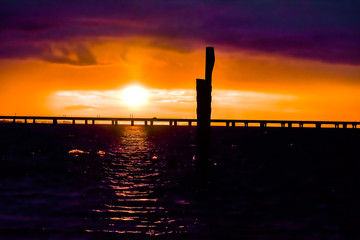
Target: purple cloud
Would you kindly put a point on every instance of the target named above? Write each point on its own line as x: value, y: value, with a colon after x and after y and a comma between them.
x: 324, y: 30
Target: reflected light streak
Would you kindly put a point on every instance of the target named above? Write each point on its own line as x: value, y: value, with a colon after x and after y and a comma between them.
x: 124, y: 218
x: 134, y: 179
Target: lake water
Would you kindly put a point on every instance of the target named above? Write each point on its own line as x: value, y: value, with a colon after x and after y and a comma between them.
x: 137, y: 182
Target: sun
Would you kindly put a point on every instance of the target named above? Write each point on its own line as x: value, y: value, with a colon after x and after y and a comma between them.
x: 134, y: 96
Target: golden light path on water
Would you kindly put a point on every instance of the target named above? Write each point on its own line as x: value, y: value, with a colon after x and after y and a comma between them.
x: 137, y: 177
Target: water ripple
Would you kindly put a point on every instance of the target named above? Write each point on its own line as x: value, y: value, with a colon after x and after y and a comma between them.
x: 138, y: 177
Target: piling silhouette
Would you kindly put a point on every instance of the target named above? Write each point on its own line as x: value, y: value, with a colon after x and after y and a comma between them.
x: 203, y: 98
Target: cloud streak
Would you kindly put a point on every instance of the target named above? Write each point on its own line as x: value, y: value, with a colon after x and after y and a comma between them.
x: 323, y: 30
x: 110, y: 101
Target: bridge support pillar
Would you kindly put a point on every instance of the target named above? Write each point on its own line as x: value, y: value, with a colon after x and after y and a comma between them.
x: 152, y: 123
x: 132, y: 122
x: 344, y: 125
x: 93, y: 122
x: 290, y: 125
x: 73, y: 121
x: 189, y: 123
x: 34, y: 121
x: 227, y: 124
x: 246, y: 124
x: 318, y: 125
x: 54, y: 121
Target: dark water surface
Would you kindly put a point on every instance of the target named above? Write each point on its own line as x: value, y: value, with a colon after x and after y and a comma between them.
x: 123, y: 182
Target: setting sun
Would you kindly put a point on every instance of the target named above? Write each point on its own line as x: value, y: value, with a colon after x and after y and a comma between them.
x: 134, y: 96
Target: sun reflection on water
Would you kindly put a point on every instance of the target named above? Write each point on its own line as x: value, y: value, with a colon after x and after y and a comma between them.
x: 137, y: 176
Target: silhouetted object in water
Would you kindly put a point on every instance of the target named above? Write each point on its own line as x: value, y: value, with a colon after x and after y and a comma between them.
x: 203, y: 89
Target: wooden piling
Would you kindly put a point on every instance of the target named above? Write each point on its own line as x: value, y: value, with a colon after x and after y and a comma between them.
x: 203, y: 97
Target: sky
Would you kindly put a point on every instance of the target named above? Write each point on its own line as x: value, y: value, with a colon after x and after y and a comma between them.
x: 295, y: 60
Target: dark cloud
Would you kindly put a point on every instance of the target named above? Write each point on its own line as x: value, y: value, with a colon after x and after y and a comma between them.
x: 77, y: 54
x: 325, y: 30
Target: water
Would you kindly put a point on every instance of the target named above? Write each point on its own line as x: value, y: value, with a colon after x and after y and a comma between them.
x: 136, y: 182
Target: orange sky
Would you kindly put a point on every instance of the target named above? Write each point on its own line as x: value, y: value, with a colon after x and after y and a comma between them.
x: 274, y: 59
x: 246, y: 85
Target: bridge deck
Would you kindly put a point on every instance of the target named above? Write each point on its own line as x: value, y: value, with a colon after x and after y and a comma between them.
x: 176, y: 122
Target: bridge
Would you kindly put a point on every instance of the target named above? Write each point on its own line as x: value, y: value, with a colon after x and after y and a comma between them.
x: 174, y: 122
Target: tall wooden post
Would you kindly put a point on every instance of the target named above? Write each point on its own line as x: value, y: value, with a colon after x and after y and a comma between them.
x: 203, y: 98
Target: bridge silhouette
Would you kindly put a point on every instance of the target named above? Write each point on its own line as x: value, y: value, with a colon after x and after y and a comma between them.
x: 175, y: 122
